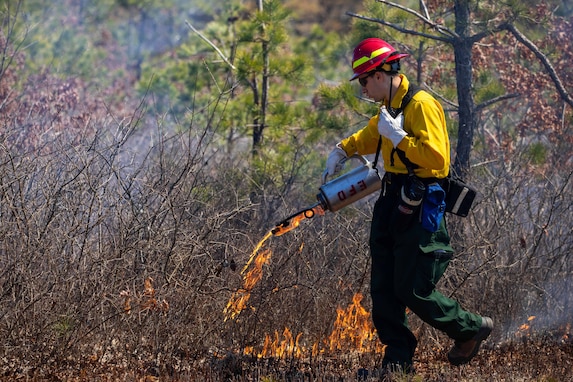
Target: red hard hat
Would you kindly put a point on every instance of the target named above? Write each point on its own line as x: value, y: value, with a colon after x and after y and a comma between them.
x: 371, y: 53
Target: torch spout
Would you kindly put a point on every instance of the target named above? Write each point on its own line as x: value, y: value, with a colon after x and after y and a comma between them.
x: 294, y: 220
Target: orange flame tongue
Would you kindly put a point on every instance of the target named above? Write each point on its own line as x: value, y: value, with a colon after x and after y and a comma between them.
x: 353, y: 328
x: 525, y: 329
x: 257, y: 247
x: 238, y: 301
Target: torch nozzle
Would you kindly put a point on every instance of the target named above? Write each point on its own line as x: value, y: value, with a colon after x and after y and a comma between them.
x: 294, y: 220
x: 280, y: 227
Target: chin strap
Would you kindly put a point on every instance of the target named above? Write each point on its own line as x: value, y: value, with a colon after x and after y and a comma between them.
x: 393, y: 112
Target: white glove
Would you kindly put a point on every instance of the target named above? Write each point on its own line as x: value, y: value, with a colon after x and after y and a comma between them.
x: 334, y: 163
x: 391, y: 128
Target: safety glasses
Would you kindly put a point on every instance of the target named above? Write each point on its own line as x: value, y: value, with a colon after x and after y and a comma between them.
x: 364, y: 80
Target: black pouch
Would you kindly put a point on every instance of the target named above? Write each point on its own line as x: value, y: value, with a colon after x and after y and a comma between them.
x: 459, y: 196
x: 408, y: 204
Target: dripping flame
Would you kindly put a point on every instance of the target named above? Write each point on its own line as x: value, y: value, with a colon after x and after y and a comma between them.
x: 352, y: 331
x: 238, y: 301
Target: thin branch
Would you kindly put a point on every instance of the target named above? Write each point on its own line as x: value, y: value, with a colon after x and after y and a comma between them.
x: 425, y: 18
x: 480, y: 36
x: 425, y: 9
x: 399, y: 28
x: 10, y: 23
x: 489, y: 102
x: 211, y: 44
x: 529, y: 44
x: 436, y: 94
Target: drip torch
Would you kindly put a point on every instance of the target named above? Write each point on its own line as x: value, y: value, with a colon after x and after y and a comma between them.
x: 336, y: 194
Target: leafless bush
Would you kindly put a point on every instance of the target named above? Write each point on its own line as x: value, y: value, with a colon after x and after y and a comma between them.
x: 127, y: 258
x: 513, y: 259
x: 122, y: 254
x: 118, y: 257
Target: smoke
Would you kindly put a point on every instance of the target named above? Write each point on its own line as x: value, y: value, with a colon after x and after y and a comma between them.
x: 547, y: 311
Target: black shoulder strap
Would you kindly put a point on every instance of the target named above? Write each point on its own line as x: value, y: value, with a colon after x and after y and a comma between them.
x: 402, y: 155
x: 377, y: 152
x: 412, y: 90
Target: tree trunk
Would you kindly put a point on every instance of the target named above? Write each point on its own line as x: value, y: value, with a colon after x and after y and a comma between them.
x: 259, y: 123
x: 257, y: 130
x: 466, y: 111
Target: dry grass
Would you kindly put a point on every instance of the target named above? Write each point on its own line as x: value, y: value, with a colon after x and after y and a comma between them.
x: 532, y: 360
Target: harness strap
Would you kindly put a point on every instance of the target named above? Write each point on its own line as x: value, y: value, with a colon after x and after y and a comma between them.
x: 412, y: 90
x: 402, y: 155
x: 377, y: 152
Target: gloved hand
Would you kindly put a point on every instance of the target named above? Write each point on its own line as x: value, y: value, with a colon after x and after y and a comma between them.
x: 334, y: 163
x: 391, y: 128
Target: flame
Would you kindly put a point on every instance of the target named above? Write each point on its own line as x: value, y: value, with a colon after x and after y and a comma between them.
x: 275, y: 347
x: 525, y: 329
x: 567, y: 334
x: 257, y: 247
x: 288, y: 347
x: 147, y: 301
x: 353, y: 331
x: 238, y: 301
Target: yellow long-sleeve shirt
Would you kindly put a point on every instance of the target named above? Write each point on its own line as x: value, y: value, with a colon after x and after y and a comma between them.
x: 426, y: 145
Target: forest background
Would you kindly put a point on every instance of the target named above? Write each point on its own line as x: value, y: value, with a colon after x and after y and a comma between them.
x: 147, y: 147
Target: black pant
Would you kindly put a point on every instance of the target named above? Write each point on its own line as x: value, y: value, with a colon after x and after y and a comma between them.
x: 407, y: 262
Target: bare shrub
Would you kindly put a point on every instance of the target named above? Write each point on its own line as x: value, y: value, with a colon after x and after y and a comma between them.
x: 122, y: 257
x: 513, y: 259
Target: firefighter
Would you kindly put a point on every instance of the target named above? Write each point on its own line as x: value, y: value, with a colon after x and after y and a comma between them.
x: 408, y: 255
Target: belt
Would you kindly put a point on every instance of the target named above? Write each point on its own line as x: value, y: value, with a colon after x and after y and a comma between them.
x: 393, y: 178
x: 392, y: 182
